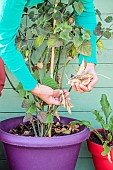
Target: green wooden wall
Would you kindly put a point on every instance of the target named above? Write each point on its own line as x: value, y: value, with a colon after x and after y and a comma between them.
x: 10, y: 104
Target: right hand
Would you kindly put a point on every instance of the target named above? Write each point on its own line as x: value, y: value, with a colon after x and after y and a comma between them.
x: 48, y: 95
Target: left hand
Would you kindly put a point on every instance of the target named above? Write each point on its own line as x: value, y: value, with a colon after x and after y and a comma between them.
x: 90, y: 69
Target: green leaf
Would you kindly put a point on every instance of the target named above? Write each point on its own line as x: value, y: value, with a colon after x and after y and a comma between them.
x: 111, y: 120
x: 52, y: 40
x: 98, y: 13
x: 36, y: 75
x: 31, y: 109
x: 31, y: 15
x: 74, y: 51
x: 107, y: 34
x: 106, y: 126
x: 49, y: 118
x: 99, y: 118
x: 65, y: 35
x: 106, y: 149
x: 47, y: 17
x: 110, y: 137
x: 19, y: 87
x: 22, y: 93
x: 109, y: 19
x: 86, y: 123
x: 83, y: 122
x: 106, y: 108
x: 39, y: 40
x: 70, y: 2
x: 79, y: 7
x: 48, y: 81
x: 57, y: 15
x: 85, y: 48
x: 67, y: 27
x: 77, y: 41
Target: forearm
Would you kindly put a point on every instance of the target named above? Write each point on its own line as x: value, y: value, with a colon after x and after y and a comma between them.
x: 88, y: 21
x: 10, y: 18
x: 17, y: 66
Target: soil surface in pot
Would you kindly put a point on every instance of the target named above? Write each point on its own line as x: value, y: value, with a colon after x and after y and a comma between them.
x: 58, y: 129
x: 96, y: 140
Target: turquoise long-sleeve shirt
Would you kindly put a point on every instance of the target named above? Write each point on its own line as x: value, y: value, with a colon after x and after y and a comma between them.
x: 10, y: 19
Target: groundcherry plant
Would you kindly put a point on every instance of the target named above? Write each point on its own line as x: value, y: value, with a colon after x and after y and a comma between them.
x: 49, y: 39
x: 51, y: 31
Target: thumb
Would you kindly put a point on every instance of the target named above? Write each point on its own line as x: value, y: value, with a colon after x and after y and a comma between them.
x: 57, y: 93
x: 92, y: 83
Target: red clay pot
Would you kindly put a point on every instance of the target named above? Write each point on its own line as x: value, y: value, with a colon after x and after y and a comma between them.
x: 100, y: 162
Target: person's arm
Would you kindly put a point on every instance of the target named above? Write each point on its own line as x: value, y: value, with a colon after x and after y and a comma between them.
x: 10, y: 18
x: 88, y: 21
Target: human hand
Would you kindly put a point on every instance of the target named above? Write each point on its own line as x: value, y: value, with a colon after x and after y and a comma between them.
x: 90, y: 69
x: 48, y: 95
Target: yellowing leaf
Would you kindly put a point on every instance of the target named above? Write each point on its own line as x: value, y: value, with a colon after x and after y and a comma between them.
x: 85, y: 48
x: 100, y: 45
x: 39, y: 40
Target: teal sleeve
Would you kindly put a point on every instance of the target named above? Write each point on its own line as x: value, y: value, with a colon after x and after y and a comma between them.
x: 10, y: 19
x: 88, y: 21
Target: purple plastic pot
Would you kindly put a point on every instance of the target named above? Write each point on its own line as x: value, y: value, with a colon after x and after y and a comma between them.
x: 41, y: 153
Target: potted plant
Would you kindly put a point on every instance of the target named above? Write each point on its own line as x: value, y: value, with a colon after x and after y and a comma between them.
x: 100, y: 142
x: 31, y: 142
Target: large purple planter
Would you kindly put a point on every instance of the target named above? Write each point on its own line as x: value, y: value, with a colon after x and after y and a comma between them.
x: 41, y: 153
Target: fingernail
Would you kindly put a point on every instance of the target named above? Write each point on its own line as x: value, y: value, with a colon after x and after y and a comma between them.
x: 89, y: 87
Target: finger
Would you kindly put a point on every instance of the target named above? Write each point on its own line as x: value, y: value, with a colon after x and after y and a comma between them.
x: 84, y: 88
x: 74, y: 88
x: 92, y: 83
x: 78, y: 88
x: 55, y: 102
x: 66, y: 93
x: 57, y: 93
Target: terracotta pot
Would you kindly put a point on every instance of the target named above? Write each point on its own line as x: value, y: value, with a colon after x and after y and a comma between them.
x: 100, y: 162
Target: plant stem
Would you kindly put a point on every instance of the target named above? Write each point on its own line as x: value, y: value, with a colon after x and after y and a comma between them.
x: 29, y: 56
x: 38, y: 124
x: 47, y: 130
x: 65, y: 65
x: 53, y: 48
x: 33, y: 125
x: 57, y: 64
x: 43, y: 54
x: 11, y: 83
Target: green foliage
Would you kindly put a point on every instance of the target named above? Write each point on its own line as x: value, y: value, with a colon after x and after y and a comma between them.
x: 79, y: 7
x: 39, y: 40
x: 49, y: 118
x: 102, y: 31
x: 106, y: 124
x: 48, y: 81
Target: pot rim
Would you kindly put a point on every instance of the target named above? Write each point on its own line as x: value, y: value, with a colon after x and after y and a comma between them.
x: 59, y: 141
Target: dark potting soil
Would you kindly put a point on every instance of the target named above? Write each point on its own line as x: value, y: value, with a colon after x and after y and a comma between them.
x: 58, y: 129
x: 94, y: 138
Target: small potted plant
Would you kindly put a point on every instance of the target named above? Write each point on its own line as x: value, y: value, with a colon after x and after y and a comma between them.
x: 47, y: 141
x: 100, y: 142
